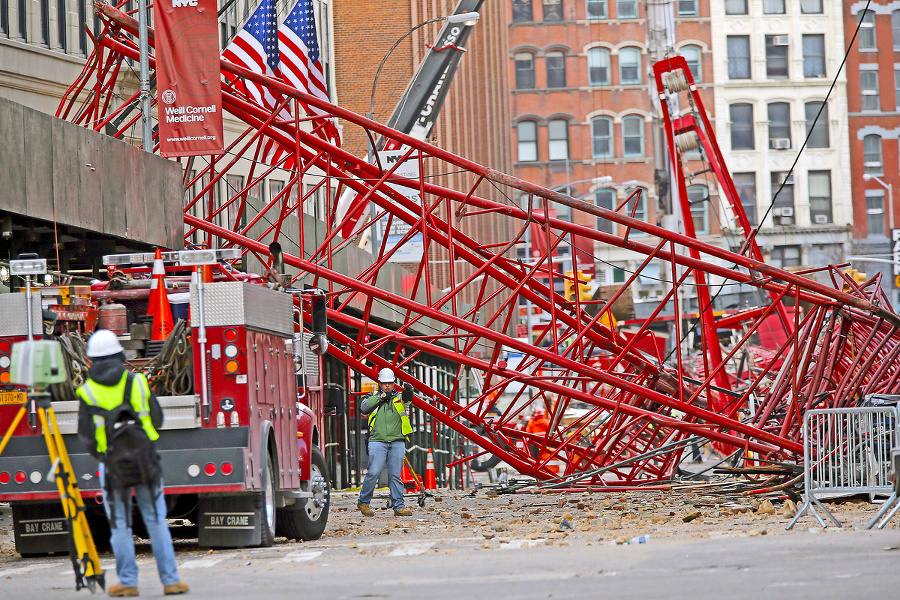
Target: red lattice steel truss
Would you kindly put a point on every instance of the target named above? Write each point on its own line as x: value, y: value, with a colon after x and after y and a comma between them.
x: 636, y: 411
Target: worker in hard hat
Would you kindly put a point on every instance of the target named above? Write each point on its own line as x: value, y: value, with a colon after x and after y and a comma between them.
x: 388, y: 427
x: 101, y: 395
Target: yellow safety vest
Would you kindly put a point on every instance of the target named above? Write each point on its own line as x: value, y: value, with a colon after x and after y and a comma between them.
x: 108, y: 397
x: 405, y: 427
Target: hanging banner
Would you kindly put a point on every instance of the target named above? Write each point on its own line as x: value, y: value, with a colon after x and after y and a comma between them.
x: 188, y: 88
x: 413, y: 248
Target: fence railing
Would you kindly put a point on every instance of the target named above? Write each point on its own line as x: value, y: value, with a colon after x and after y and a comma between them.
x: 846, y: 451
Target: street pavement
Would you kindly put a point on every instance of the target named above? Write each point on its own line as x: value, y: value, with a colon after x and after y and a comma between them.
x: 423, y: 559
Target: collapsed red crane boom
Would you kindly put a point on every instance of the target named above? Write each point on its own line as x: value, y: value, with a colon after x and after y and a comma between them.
x: 618, y: 415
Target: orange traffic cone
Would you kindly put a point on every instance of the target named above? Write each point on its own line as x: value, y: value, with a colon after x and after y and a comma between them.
x: 407, y: 478
x: 430, y: 479
x: 159, y: 301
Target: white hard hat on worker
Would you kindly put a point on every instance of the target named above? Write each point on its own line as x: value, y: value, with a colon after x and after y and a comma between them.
x: 103, y: 343
x: 386, y: 375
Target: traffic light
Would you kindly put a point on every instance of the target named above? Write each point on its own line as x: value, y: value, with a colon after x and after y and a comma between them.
x: 583, y: 285
x: 570, y: 286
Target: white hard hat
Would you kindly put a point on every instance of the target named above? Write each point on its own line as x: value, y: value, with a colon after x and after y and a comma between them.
x: 386, y: 375
x: 103, y: 343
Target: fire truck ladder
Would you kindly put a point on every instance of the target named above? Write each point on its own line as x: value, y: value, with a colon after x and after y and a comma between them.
x: 82, y: 551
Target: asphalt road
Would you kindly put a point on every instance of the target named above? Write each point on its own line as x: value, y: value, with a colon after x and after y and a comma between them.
x: 424, y: 562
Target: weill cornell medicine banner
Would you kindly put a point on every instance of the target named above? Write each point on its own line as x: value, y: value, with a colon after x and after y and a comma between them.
x: 189, y: 92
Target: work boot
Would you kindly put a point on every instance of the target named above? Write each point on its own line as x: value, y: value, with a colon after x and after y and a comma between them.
x: 176, y: 588
x: 120, y: 591
x: 403, y: 512
x: 365, y: 510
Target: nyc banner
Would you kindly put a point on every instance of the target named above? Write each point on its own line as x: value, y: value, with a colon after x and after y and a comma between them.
x: 189, y: 93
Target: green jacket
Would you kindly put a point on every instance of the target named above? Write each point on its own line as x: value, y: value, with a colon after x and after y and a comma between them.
x: 388, y: 417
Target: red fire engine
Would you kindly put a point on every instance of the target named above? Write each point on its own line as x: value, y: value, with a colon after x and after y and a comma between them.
x: 242, y: 454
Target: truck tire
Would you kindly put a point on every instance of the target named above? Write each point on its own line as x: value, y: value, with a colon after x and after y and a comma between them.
x: 265, y: 504
x: 307, y: 518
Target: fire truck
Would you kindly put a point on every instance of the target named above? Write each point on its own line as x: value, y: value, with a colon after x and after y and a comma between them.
x: 241, y: 453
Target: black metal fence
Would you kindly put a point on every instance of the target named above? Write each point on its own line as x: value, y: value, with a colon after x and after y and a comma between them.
x: 345, y: 428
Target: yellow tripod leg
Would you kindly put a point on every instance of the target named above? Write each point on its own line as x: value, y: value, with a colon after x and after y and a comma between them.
x: 86, y: 562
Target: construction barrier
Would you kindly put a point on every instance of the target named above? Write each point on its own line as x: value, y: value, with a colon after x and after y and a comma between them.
x: 846, y: 451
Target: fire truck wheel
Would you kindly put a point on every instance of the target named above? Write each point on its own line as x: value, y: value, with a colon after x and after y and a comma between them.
x: 306, y: 519
x: 265, y: 504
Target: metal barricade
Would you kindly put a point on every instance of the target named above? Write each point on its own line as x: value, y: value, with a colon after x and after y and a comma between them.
x: 846, y: 451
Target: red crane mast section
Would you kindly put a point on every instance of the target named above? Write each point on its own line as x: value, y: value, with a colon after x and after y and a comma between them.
x: 617, y: 415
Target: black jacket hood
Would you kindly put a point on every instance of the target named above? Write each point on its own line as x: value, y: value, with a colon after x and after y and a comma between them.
x: 108, y: 370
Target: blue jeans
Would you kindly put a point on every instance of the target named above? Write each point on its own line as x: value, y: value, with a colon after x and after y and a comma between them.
x: 121, y: 538
x: 380, y: 453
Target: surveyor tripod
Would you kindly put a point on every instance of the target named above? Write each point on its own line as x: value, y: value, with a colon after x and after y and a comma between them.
x: 82, y: 551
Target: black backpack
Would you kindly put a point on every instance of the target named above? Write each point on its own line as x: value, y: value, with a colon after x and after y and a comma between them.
x: 131, y: 457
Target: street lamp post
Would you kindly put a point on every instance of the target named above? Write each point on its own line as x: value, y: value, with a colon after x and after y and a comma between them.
x: 890, y: 190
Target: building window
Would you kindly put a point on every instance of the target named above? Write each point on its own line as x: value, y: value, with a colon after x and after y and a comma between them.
x: 627, y: 9
x: 773, y: 7
x: 735, y: 7
x: 739, y: 57
x: 638, y: 203
x: 558, y: 139
x: 816, y: 128
x: 745, y: 184
x: 776, y: 56
x: 868, y: 86
x: 897, y: 88
x: 553, y: 10
x: 521, y: 11
x: 875, y: 213
x: 596, y: 9
x: 873, y: 164
x: 526, y: 132
x: 45, y: 22
x: 605, y: 198
x: 694, y: 57
x: 814, y: 55
x: 598, y: 66
x: 811, y: 7
x: 866, y: 38
x: 555, y: 63
x: 820, y: 197
x: 4, y: 18
x: 633, y: 136
x: 895, y: 28
x: 741, y: 116
x: 687, y: 8
x: 82, y: 27
x: 601, y: 137
x: 785, y: 256
x: 782, y: 192
x: 698, y: 197
x: 22, y: 11
x: 629, y: 66
x: 779, y: 125
x: 524, y: 71
x: 61, y: 24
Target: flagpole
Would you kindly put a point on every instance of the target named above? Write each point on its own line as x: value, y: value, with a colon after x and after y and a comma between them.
x: 147, y: 127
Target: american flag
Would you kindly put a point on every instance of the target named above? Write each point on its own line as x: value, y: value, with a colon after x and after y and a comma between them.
x: 300, y: 64
x: 255, y: 48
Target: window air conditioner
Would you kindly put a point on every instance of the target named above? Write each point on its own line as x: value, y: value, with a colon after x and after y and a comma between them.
x: 780, y: 143
x: 787, y: 211
x: 819, y: 219
x: 786, y: 221
x: 780, y: 40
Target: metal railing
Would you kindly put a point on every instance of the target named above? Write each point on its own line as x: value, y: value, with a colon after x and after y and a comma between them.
x: 846, y: 451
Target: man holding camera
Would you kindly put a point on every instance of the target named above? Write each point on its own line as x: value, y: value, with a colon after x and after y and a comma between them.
x: 388, y: 427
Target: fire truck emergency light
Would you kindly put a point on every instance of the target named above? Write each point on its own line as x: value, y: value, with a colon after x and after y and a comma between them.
x: 37, y: 364
x: 190, y: 258
x: 28, y: 266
